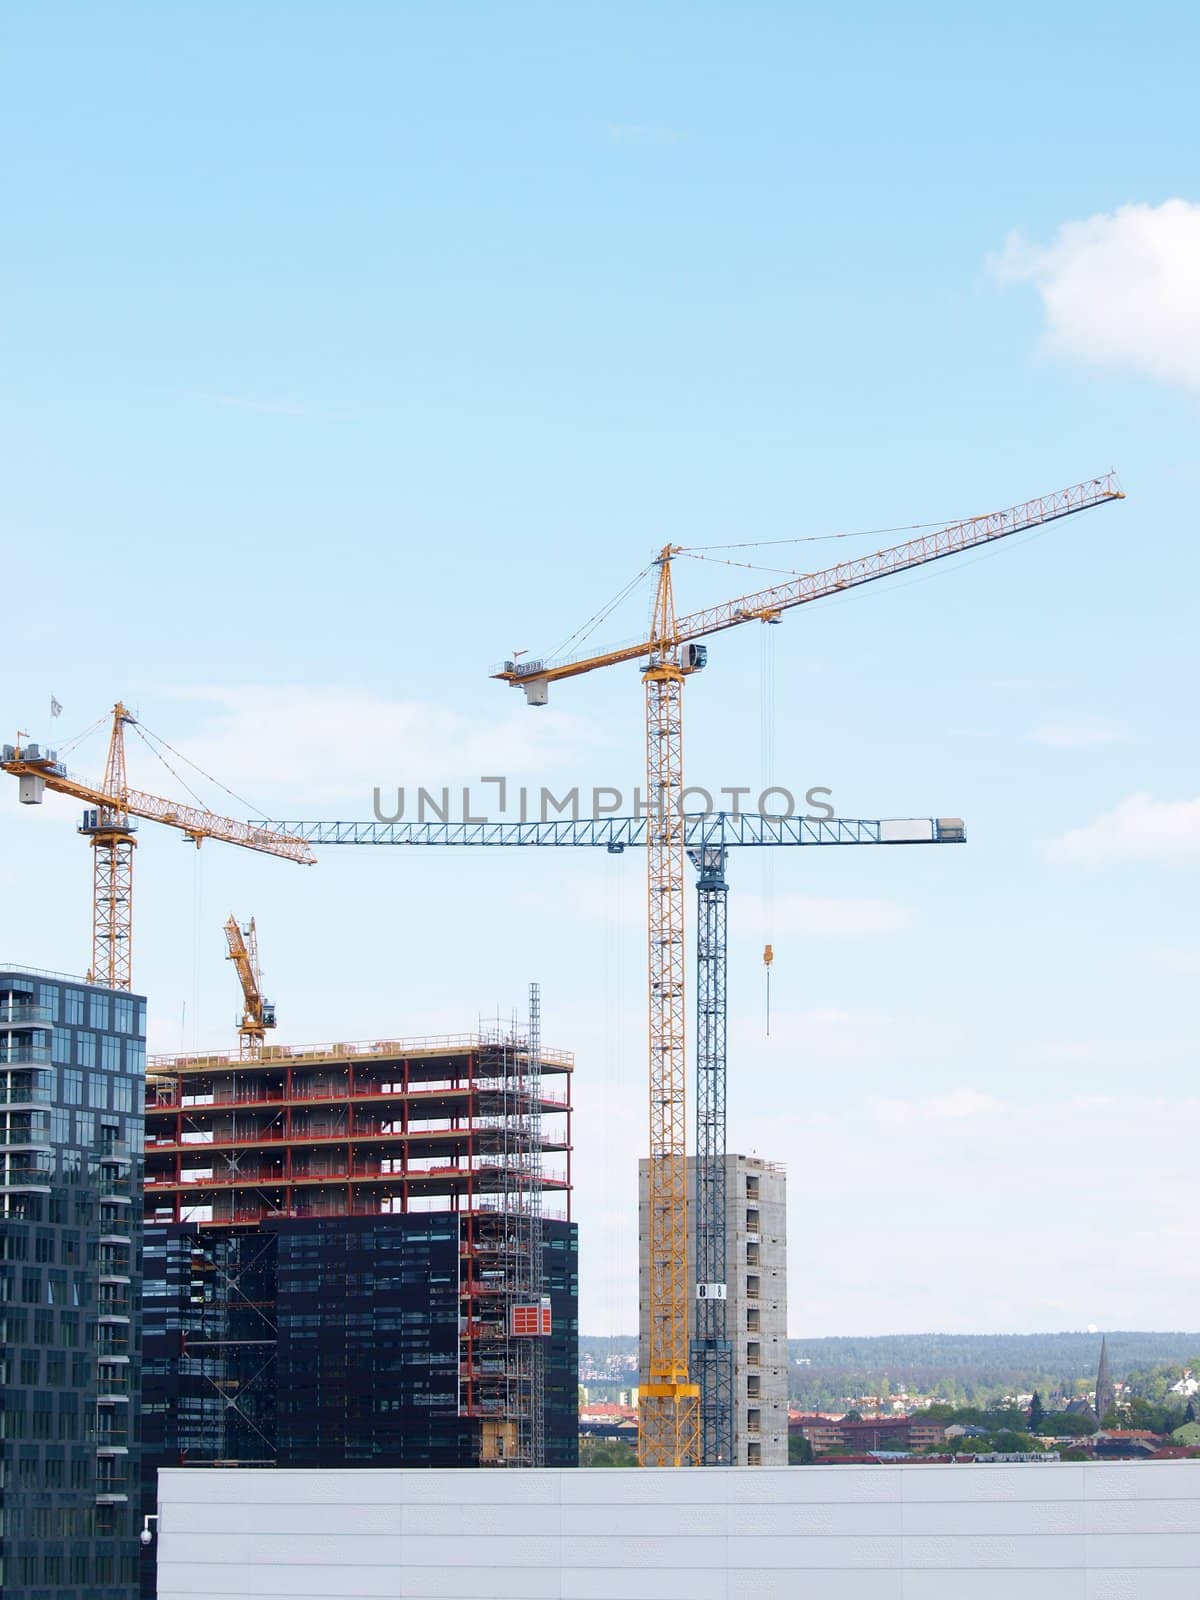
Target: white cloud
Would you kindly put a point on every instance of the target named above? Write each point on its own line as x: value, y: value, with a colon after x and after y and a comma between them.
x: 825, y: 1033
x: 813, y: 916
x: 1119, y: 288
x: 1180, y: 962
x: 957, y: 1106
x: 1139, y: 829
x: 820, y: 917
x: 1065, y: 1050
x: 1079, y: 733
x: 321, y: 745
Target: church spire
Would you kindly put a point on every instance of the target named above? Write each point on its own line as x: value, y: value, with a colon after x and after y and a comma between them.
x: 1106, y: 1395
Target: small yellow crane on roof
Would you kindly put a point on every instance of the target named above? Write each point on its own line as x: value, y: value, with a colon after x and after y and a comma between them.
x: 259, y: 1014
x: 109, y: 823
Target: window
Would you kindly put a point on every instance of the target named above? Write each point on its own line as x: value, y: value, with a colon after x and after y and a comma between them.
x: 61, y: 1047
x: 122, y: 1094
x: 135, y: 1057
x: 72, y: 1083
x: 110, y: 1053
x: 73, y: 1007
x: 98, y: 1011
x: 48, y: 997
x: 86, y: 1045
x: 85, y: 1128
x: 123, y: 1013
x: 43, y: 1245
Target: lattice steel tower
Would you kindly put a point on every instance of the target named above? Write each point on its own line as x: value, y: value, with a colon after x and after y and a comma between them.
x: 712, y: 1348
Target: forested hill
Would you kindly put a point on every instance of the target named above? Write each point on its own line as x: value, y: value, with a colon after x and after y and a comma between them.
x: 961, y: 1368
x: 1074, y: 1355
x: 971, y: 1368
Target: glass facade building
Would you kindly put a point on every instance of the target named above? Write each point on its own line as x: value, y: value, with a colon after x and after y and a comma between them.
x: 330, y: 1342
x: 72, y: 1071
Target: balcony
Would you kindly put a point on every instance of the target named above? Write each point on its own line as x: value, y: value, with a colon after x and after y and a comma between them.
x: 30, y: 1178
x: 25, y: 1016
x: 115, y: 1189
x: 25, y: 1094
x: 26, y: 1055
x: 26, y: 1138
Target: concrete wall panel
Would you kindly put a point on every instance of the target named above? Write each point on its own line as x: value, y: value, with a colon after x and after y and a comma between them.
x: 907, y: 1532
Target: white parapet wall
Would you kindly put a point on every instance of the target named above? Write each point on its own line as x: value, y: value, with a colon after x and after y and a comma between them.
x: 1105, y: 1531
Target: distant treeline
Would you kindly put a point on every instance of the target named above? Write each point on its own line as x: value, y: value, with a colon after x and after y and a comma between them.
x: 966, y: 1369
x: 960, y: 1368
x: 1074, y: 1355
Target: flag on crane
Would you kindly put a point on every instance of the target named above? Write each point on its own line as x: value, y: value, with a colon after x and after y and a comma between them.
x: 55, y: 707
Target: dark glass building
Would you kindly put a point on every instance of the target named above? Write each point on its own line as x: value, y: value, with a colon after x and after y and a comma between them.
x: 332, y: 1342
x: 72, y: 1069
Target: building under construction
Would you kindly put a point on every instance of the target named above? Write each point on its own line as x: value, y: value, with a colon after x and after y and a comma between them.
x: 362, y: 1255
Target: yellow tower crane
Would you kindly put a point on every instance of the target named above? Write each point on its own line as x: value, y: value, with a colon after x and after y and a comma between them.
x: 669, y: 1432
x: 109, y: 823
x: 259, y: 1014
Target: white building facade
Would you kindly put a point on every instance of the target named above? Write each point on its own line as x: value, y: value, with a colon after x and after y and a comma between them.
x: 756, y: 1306
x: 1092, y: 1531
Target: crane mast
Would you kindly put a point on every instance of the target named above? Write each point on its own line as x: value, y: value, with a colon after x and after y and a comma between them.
x: 109, y: 824
x: 111, y: 831
x: 668, y: 1403
x: 712, y: 1347
x: 259, y: 1014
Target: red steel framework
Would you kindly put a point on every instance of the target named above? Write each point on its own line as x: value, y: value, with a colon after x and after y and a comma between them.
x: 386, y: 1127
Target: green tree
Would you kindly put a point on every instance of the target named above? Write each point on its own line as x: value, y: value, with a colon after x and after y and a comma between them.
x: 607, y: 1453
x: 1189, y: 1414
x: 1009, y: 1439
x: 1072, y: 1424
x: 1037, y: 1412
x: 800, y: 1451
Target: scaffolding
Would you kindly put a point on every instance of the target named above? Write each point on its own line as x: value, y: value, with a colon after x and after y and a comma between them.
x: 478, y: 1125
x: 508, y: 1349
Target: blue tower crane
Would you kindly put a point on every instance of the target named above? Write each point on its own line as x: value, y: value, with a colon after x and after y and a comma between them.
x: 708, y: 839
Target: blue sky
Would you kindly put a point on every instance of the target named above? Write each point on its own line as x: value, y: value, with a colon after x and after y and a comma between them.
x: 345, y: 351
